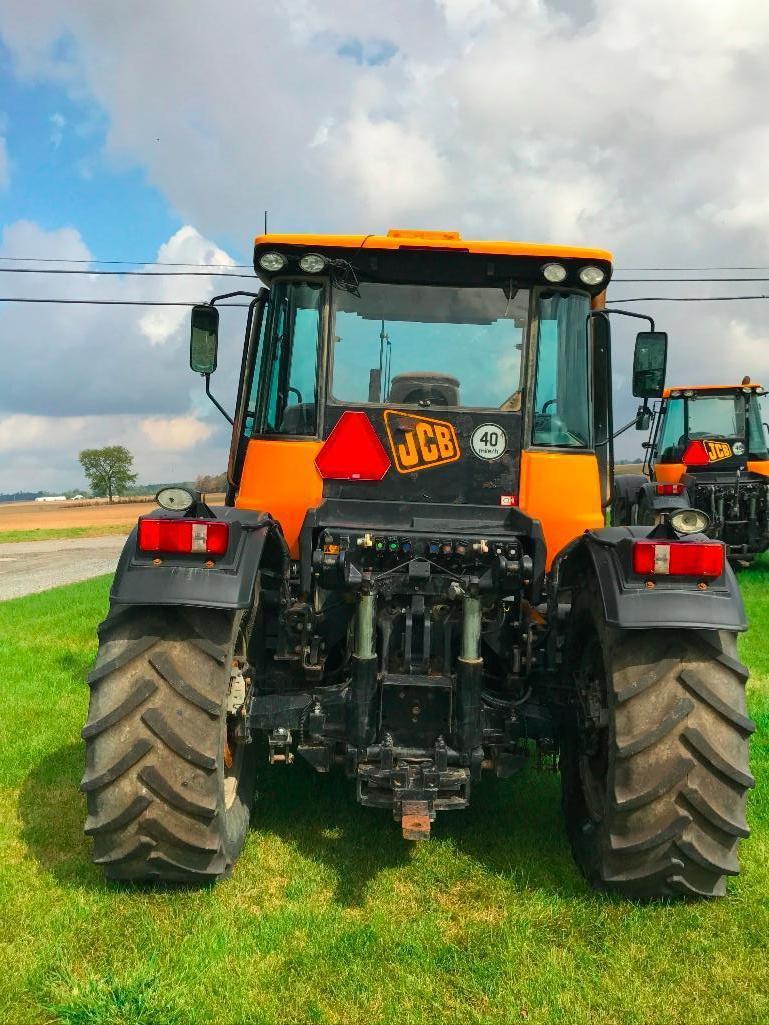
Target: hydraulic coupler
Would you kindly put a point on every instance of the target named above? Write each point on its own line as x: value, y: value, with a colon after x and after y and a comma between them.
x: 361, y: 710
x: 469, y: 676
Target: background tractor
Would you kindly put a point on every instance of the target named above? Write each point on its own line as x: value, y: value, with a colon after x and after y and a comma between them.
x: 411, y: 581
x: 707, y: 451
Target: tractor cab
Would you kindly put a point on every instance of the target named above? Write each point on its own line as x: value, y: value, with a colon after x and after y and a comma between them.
x: 418, y: 368
x: 708, y: 448
x: 707, y: 430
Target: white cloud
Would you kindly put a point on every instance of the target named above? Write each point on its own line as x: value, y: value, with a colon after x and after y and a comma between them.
x: 21, y: 432
x: 186, y: 246
x: 387, y: 187
x: 175, y: 434
x: 87, y: 376
x: 603, y: 122
x: 638, y: 126
x: 25, y: 238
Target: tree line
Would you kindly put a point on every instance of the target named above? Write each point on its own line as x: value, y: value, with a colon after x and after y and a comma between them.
x: 109, y: 472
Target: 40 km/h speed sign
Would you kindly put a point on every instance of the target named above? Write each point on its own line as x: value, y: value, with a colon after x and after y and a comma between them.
x: 488, y: 441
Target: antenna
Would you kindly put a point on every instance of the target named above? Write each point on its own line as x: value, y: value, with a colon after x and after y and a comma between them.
x: 265, y: 222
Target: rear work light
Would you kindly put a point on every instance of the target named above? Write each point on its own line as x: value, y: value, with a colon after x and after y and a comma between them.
x: 695, y: 454
x: 190, y: 537
x: 669, y: 489
x: 678, y: 559
x: 353, y: 451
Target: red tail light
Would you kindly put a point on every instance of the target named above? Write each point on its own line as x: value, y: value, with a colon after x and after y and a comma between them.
x: 353, y: 451
x: 669, y: 489
x: 207, y: 537
x: 695, y: 454
x: 678, y: 559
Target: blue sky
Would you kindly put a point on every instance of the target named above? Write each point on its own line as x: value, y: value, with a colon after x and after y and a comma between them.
x: 162, y: 131
x: 60, y: 176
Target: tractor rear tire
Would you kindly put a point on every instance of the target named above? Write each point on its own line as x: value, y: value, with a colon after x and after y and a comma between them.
x: 655, y: 799
x: 168, y: 791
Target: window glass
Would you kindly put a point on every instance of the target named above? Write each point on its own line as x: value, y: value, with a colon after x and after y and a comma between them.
x: 713, y: 415
x: 562, y: 393
x: 671, y: 440
x: 284, y: 393
x: 249, y: 422
x: 429, y: 345
x: 757, y: 431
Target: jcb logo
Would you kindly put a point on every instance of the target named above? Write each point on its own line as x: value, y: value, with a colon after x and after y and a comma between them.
x: 418, y: 442
x: 717, y: 450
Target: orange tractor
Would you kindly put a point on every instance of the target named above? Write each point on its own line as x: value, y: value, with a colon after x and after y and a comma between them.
x: 412, y: 582
x: 707, y: 451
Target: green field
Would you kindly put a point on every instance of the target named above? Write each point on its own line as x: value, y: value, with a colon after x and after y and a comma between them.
x: 57, y: 533
x: 330, y: 916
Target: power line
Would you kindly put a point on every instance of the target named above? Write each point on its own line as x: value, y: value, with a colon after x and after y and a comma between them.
x: 219, y: 274
x: 127, y: 263
x: 684, y: 270
x: 686, y: 299
x: 109, y: 302
x: 643, y: 281
x: 248, y: 266
x: 159, y: 302
x: 125, y: 273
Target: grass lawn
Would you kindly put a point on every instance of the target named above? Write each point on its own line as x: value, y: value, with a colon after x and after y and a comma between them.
x: 330, y: 916
x: 56, y: 533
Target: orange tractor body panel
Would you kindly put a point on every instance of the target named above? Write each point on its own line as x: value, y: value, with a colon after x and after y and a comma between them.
x: 279, y: 477
x: 563, y: 492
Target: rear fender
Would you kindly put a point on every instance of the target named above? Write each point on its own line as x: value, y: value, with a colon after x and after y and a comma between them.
x: 255, y: 540
x: 626, y: 491
x: 672, y: 604
x: 662, y: 503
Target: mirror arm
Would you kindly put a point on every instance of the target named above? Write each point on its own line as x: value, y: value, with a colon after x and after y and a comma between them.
x: 627, y: 427
x: 622, y: 313
x: 645, y: 408
x: 221, y: 409
x: 213, y: 302
x: 231, y: 295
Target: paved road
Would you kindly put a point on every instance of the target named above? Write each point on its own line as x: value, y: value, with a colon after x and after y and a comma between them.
x: 37, y: 565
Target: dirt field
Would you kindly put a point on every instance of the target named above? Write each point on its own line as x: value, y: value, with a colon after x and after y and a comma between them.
x: 56, y: 515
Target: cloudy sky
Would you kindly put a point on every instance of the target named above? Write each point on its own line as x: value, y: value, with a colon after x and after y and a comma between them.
x: 160, y: 130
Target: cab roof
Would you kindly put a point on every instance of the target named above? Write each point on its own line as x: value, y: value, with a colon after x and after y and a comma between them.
x: 753, y: 385
x: 408, y: 238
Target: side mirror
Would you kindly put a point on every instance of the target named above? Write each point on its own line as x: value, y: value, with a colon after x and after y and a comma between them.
x: 643, y: 419
x: 649, y: 364
x: 204, y: 339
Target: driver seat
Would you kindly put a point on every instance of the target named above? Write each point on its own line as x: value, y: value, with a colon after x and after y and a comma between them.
x: 424, y: 388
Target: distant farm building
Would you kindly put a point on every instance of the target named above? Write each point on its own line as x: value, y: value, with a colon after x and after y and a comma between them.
x: 52, y: 498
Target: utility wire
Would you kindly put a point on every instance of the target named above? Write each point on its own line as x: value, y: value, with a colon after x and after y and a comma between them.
x: 158, y: 302
x: 641, y: 281
x: 248, y: 266
x: 219, y: 274
x: 130, y: 263
x: 126, y: 273
x: 686, y: 299
x: 109, y: 302
x: 683, y: 270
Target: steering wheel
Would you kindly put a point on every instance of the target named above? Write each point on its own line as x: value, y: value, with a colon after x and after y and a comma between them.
x: 550, y: 402
x: 297, y: 393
